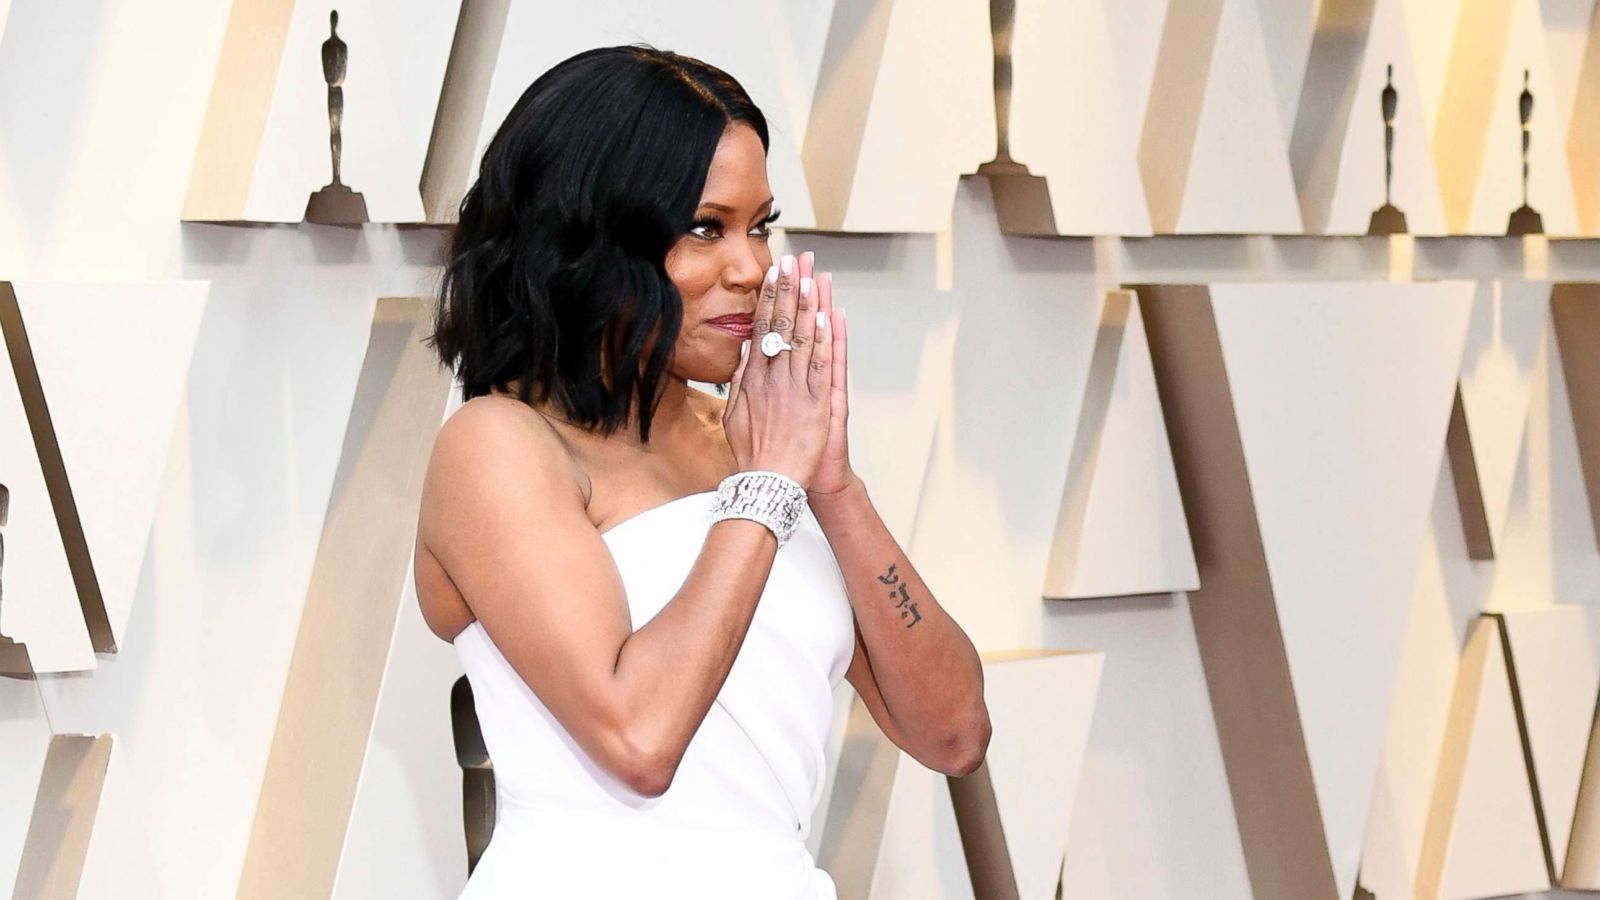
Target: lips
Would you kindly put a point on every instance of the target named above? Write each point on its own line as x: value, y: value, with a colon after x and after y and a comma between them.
x: 735, y: 324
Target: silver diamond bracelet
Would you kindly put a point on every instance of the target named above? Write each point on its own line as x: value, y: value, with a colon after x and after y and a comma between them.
x: 771, y: 498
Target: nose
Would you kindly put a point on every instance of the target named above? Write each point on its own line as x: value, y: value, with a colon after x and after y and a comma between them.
x: 746, y: 266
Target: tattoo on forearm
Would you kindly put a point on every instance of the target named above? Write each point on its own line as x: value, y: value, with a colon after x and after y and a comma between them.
x: 907, y: 606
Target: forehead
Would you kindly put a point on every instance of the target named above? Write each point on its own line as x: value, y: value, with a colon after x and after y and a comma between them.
x: 738, y: 173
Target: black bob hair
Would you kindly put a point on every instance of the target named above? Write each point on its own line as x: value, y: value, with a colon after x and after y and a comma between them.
x: 555, y: 275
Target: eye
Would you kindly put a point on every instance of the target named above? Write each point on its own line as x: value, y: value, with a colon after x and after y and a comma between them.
x: 763, y: 228
x: 714, y: 226
x: 711, y: 223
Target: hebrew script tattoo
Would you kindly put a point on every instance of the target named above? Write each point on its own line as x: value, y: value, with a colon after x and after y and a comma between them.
x: 907, y: 606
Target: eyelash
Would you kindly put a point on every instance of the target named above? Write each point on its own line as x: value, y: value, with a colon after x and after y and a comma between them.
x: 717, y: 223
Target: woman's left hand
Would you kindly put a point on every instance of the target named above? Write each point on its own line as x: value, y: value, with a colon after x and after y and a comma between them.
x: 834, y: 472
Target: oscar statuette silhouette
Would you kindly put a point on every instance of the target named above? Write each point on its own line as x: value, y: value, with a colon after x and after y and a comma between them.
x: 336, y: 203
x: 1388, y: 219
x: 1525, y: 219
x: 1022, y: 199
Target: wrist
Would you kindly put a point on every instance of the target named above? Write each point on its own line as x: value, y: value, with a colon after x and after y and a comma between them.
x: 853, y: 487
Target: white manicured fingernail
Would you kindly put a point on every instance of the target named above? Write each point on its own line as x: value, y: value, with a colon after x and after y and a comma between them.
x: 744, y: 349
x: 805, y: 287
x: 822, y: 319
x: 788, y: 264
x: 772, y: 273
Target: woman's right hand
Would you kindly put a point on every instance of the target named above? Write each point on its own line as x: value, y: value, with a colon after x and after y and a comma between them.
x: 778, y: 407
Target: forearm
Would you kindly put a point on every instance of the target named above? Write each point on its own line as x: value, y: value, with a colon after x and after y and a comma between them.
x: 925, y: 666
x: 670, y: 670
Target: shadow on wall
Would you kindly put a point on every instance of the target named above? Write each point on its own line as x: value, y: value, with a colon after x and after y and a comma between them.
x: 477, y: 772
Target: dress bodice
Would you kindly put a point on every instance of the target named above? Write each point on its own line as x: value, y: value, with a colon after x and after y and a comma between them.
x: 753, y: 772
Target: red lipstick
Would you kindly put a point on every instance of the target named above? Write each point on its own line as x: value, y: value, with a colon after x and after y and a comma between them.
x: 735, y: 323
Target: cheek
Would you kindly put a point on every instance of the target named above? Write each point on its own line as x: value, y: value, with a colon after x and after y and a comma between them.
x: 693, y: 280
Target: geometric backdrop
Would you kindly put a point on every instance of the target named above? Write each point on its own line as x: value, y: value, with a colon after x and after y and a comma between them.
x: 1315, y: 512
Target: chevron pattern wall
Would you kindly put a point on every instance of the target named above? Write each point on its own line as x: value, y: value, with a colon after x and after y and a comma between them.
x: 1204, y: 359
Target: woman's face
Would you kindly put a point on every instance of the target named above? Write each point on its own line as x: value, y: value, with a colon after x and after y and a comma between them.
x: 719, y: 264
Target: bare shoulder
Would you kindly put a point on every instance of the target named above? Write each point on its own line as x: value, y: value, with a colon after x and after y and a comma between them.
x: 494, y: 461
x: 502, y: 438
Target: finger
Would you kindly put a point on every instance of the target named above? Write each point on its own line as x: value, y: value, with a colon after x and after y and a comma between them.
x: 738, y: 375
x: 805, y: 327
x: 804, y: 334
x: 841, y: 339
x: 761, y: 322
x: 788, y: 295
x: 819, y: 362
x: 824, y: 289
x: 835, y: 324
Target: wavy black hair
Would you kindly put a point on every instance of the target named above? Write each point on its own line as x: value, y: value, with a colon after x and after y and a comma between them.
x: 555, y: 275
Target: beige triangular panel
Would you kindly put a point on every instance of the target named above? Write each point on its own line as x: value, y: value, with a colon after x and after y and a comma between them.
x: 1555, y: 667
x: 390, y: 849
x: 1000, y: 454
x: 902, y: 343
x: 1337, y: 146
x: 1154, y: 738
x: 265, y: 146
x: 1583, y: 139
x: 904, y: 105
x: 1582, y: 869
x: 330, y: 698
x: 1567, y: 25
x: 1213, y: 151
x: 1575, y: 316
x: 1431, y: 26
x: 1067, y: 120
x: 1509, y: 319
x: 1040, y: 704
x: 1280, y: 399
x: 105, y: 388
x: 891, y: 830
x: 458, y: 126
x: 42, y: 608
x: 737, y: 38
x: 800, y: 32
x: 1122, y: 530
x: 64, y: 812
x: 1467, y: 98
x: 1481, y: 838
x: 1343, y: 396
x: 1442, y: 607
x: 1135, y: 27
x: 1287, y: 30
x: 25, y: 735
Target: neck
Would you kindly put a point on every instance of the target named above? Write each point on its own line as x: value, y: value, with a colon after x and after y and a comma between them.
x: 674, y: 416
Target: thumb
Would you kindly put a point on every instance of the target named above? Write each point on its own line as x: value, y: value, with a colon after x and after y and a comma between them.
x: 738, y: 373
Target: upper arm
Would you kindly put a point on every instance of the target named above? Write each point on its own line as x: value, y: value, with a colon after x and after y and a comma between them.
x: 504, y: 515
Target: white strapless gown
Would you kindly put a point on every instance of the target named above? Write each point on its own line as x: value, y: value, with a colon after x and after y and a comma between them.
x: 734, y: 822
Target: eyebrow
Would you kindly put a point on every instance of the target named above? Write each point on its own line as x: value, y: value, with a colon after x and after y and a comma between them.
x: 730, y: 210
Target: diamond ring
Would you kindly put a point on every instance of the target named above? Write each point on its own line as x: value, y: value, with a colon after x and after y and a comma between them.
x: 772, y: 343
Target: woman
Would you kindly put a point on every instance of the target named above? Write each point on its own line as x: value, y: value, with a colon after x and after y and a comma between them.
x: 653, y: 590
